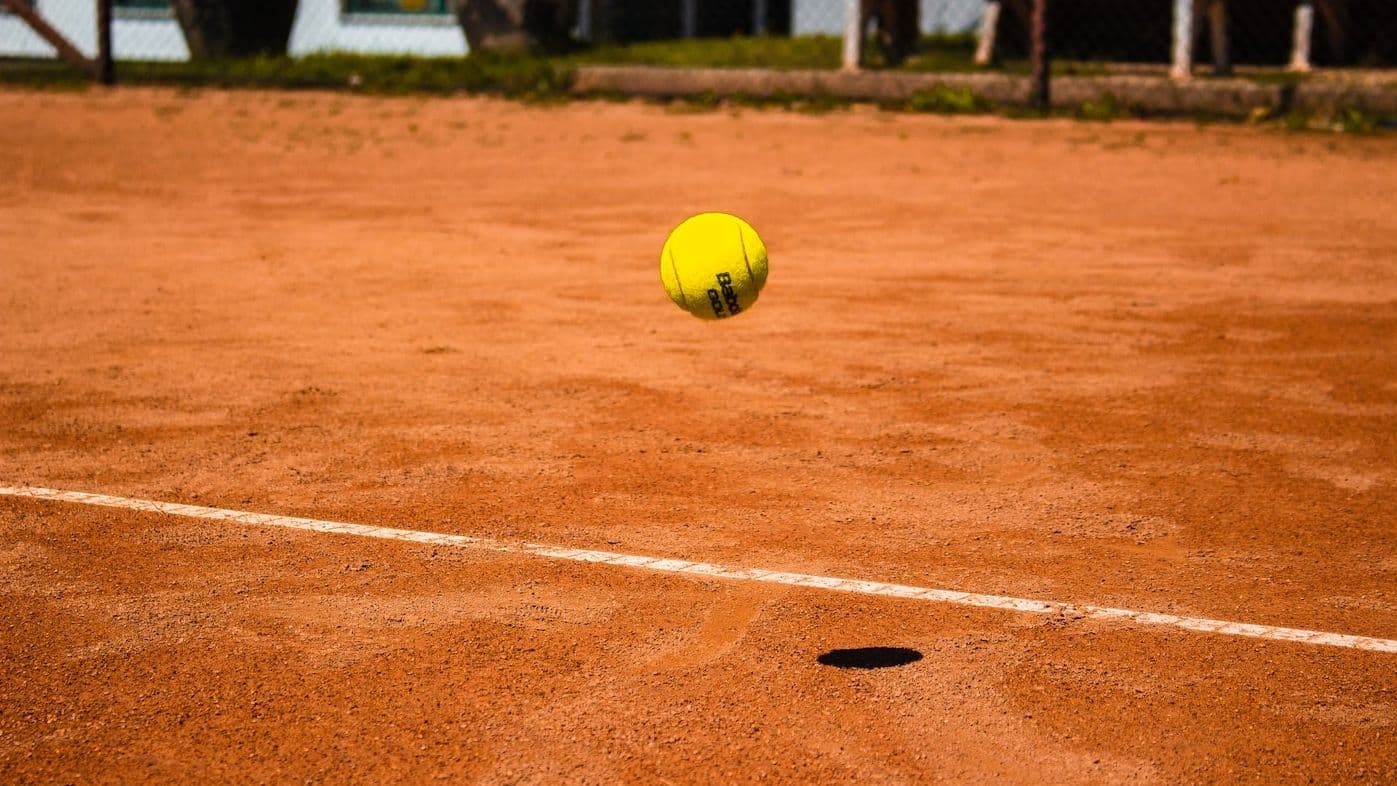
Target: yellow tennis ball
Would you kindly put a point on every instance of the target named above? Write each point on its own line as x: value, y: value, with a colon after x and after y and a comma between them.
x: 713, y: 265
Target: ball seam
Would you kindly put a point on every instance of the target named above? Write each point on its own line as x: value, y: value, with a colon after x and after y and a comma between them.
x: 679, y: 285
x: 742, y: 243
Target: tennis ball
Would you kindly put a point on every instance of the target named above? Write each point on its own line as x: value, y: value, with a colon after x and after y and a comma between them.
x: 713, y: 265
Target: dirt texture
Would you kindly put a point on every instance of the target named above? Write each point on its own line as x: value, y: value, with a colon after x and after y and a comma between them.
x: 1146, y: 366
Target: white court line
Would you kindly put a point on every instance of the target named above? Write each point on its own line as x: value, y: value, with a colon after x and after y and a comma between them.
x: 664, y: 565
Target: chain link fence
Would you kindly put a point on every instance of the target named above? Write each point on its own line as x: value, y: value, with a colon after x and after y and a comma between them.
x: 1113, y: 35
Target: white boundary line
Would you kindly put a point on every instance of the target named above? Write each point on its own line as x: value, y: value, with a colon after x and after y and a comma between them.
x: 718, y: 571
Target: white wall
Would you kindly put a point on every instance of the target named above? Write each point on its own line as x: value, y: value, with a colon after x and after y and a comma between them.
x: 76, y: 20
x: 826, y: 17
x: 147, y: 39
x: 143, y: 37
x: 320, y: 27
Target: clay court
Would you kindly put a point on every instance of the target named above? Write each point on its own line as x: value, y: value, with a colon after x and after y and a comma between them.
x: 1150, y: 367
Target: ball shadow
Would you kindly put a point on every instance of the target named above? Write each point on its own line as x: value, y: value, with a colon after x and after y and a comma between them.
x: 870, y: 657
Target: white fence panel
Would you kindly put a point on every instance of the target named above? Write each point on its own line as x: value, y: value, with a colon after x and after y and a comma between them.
x: 322, y: 27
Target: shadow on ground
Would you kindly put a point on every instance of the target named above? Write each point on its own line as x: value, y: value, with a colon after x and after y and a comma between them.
x: 870, y: 657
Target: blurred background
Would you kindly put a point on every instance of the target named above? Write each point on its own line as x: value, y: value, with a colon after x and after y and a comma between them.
x: 928, y: 34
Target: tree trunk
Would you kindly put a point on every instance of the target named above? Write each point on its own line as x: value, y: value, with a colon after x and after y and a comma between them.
x: 517, y: 25
x: 229, y: 28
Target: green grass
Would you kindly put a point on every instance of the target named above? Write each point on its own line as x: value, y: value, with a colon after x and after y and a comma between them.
x: 1104, y: 109
x: 774, y: 52
x: 936, y: 53
x: 513, y: 75
x: 1347, y: 120
x: 946, y: 100
x: 1279, y: 78
x: 939, y: 53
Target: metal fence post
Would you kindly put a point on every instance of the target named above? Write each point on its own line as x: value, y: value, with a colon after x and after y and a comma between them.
x: 759, y: 15
x: 989, y: 28
x: 106, y: 72
x: 853, y: 34
x: 1182, y: 67
x: 1304, y: 33
x: 584, y: 20
x: 1040, y: 97
x: 689, y: 20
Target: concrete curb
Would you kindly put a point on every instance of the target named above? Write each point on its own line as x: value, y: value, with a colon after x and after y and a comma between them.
x: 655, y: 82
x: 1327, y: 98
x: 1225, y: 97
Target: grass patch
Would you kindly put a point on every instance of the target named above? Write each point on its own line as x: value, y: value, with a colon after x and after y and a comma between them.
x: 1102, y: 110
x: 523, y: 77
x: 945, y: 52
x: 1073, y: 68
x: 935, y: 53
x: 526, y: 76
x: 1358, y: 121
x: 815, y: 103
x: 1277, y: 78
x: 1347, y: 120
x: 820, y: 52
x: 942, y: 99
x: 48, y: 74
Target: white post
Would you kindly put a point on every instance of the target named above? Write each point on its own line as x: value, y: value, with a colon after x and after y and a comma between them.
x: 759, y: 13
x: 989, y: 24
x: 584, y: 20
x: 1304, y: 30
x: 689, y: 22
x: 853, y: 34
x: 1182, y: 67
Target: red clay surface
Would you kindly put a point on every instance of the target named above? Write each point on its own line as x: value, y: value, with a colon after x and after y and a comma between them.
x: 1144, y: 366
